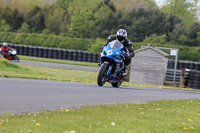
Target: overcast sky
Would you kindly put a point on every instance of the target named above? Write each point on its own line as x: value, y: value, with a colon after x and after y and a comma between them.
x: 159, y: 2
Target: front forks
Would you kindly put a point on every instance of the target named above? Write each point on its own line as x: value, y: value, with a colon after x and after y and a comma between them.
x: 109, y: 70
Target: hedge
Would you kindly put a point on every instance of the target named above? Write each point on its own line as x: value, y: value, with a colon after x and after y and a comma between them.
x: 55, y: 41
x: 42, y: 40
x: 185, y: 53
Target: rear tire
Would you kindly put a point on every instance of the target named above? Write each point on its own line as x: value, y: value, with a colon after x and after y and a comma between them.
x: 116, y: 84
x: 101, y: 80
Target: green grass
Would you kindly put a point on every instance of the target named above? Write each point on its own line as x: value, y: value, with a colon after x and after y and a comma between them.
x: 172, y: 116
x: 169, y: 116
x: 58, y: 61
x: 95, y: 65
x: 11, y: 70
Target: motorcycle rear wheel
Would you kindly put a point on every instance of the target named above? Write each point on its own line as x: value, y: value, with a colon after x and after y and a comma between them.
x: 116, y: 84
x: 101, y: 80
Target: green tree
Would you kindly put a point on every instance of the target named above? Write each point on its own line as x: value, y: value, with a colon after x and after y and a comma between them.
x: 26, y: 28
x: 182, y: 40
x: 103, y: 15
x: 4, y: 26
x: 64, y: 4
x: 193, y: 34
x: 198, y: 38
x: 96, y: 47
x: 129, y: 5
x: 83, y: 20
x: 3, y: 4
x: 184, y: 9
x: 25, y: 6
x: 56, y: 20
x: 36, y: 19
x: 178, y: 31
x: 143, y: 23
x: 156, y: 39
x: 13, y: 18
x: 82, y: 23
x: 16, y: 20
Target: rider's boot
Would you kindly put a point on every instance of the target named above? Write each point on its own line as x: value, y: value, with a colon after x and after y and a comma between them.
x: 125, y: 71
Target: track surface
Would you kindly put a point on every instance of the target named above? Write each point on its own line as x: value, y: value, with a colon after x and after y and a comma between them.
x: 48, y: 64
x: 27, y: 95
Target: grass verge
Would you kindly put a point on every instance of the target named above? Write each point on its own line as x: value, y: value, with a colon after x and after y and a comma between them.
x: 58, y: 61
x: 11, y: 70
x: 169, y: 116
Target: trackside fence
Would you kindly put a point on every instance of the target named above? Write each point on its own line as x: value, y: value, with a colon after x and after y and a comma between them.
x: 192, y: 80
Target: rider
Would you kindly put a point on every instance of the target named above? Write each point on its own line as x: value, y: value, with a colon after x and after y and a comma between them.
x: 4, y: 49
x: 128, y: 47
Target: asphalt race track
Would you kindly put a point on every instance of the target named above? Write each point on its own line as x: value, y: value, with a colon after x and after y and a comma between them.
x: 27, y: 95
x: 48, y: 64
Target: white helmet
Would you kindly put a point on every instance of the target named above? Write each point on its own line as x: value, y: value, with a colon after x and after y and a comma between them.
x: 121, y: 35
x: 5, y: 44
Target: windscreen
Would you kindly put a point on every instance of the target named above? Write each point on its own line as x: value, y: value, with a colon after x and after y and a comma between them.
x: 115, y: 44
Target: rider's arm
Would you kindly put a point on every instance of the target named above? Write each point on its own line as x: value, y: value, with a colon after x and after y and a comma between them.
x: 9, y: 48
x: 130, y: 49
x: 110, y: 39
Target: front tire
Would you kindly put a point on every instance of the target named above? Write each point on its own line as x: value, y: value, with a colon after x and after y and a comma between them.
x: 101, y: 80
x: 16, y: 58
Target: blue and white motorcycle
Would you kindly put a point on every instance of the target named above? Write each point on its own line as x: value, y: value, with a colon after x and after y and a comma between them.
x: 112, y: 64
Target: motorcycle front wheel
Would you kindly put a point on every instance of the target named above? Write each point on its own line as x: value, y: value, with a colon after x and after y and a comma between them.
x: 16, y: 58
x: 102, y: 76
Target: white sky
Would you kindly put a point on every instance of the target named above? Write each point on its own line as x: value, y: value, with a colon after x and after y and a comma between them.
x: 160, y: 2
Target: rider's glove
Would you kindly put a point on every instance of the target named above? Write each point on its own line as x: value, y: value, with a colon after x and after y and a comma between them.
x: 127, y: 56
x: 102, y: 47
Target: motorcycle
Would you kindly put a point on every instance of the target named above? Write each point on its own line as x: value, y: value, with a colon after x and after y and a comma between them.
x: 12, y: 55
x: 112, y: 64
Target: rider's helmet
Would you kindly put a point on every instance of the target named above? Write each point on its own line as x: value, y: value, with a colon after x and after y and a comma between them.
x: 5, y: 44
x: 121, y: 35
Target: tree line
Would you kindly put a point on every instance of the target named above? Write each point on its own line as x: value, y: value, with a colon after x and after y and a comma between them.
x: 144, y: 21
